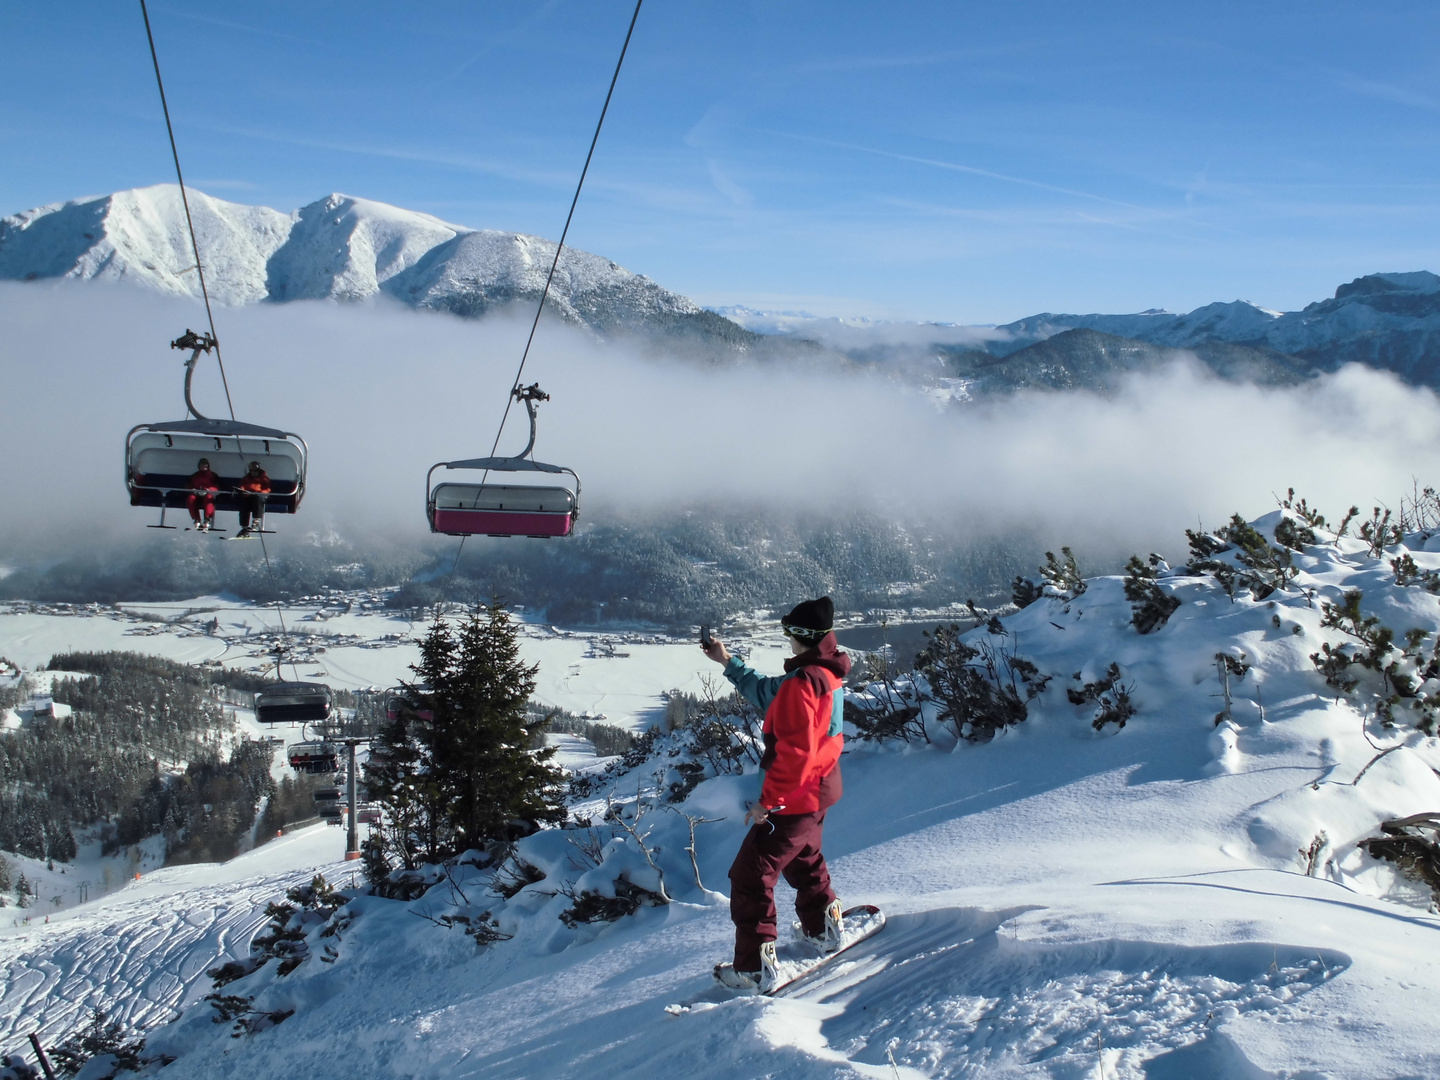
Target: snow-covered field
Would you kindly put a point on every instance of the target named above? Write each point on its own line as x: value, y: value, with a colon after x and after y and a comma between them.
x: 618, y: 674
x: 1064, y: 902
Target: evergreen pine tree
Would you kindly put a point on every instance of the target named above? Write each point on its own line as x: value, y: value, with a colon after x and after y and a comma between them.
x: 476, y: 772
x: 398, y: 774
x: 484, y: 734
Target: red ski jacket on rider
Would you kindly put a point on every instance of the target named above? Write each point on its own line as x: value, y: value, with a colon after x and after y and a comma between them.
x: 205, y: 479
x: 802, y: 727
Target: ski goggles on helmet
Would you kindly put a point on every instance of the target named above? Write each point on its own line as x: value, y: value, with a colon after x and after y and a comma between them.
x: 802, y: 632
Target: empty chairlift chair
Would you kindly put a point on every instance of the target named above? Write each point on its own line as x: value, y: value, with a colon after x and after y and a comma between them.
x: 294, y: 703
x: 160, y: 458
x: 505, y: 508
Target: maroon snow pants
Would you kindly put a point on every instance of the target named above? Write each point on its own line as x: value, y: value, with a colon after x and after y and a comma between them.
x: 786, y: 844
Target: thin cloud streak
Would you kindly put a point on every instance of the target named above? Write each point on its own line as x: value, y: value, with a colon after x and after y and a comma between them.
x: 955, y: 167
x: 484, y: 167
x: 227, y: 25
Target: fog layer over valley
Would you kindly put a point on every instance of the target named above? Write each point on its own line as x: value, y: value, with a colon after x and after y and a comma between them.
x: 848, y: 481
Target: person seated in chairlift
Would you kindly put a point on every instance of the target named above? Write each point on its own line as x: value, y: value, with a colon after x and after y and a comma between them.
x: 201, y: 503
x: 253, y: 489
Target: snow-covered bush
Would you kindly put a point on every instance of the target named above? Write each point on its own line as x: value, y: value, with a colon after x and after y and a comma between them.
x: 1110, y: 694
x: 1403, y: 681
x: 1062, y: 579
x: 1413, y: 845
x: 15, y: 1067
x: 100, y: 1038
x: 982, y: 688
x: 287, y: 936
x: 1152, y: 606
x: 1024, y: 592
x: 1407, y: 573
x: 886, y: 708
x: 622, y: 878
x: 1379, y: 533
x: 1253, y: 564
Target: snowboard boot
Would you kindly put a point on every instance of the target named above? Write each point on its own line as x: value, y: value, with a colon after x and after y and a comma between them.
x: 750, y: 982
x: 828, y: 940
x: 768, y: 975
x: 746, y: 982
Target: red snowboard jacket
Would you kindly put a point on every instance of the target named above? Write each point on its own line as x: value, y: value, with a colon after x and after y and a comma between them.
x: 802, y: 729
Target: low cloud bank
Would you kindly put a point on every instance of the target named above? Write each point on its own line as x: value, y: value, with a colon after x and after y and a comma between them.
x: 381, y: 393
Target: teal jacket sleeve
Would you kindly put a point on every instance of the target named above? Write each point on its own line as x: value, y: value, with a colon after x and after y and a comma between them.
x: 755, y: 688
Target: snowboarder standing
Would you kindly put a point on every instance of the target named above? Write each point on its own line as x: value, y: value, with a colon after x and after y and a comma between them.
x: 801, y: 770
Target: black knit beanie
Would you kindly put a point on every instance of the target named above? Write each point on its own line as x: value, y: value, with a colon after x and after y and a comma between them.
x: 810, y: 620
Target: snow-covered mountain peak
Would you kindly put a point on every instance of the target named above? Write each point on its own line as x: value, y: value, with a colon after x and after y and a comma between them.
x: 339, y: 247
x: 140, y: 236
x: 343, y: 248
x: 1236, y: 321
x: 1414, y: 281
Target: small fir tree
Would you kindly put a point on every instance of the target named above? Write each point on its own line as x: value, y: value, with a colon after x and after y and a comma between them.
x: 458, y: 767
x: 483, y: 732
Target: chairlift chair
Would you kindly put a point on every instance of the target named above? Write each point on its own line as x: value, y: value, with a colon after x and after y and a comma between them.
x: 314, y: 757
x: 400, y: 700
x: 367, y: 814
x: 326, y: 796
x: 504, y: 509
x: 160, y: 458
x: 293, y: 703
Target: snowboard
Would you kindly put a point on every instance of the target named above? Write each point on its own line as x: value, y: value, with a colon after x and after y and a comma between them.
x: 796, y: 961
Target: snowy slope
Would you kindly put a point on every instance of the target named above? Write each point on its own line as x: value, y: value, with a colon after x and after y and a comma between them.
x: 141, y: 953
x: 1064, y: 902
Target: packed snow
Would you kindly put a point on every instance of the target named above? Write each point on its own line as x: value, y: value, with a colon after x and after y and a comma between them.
x: 1179, y: 898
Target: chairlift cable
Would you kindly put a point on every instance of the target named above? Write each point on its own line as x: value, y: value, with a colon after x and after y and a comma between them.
x: 209, y: 313
x: 550, y: 277
x: 185, y: 202
x: 279, y: 614
x: 555, y: 262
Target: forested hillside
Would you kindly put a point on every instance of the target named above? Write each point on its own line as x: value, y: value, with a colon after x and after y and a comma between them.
x: 145, y: 750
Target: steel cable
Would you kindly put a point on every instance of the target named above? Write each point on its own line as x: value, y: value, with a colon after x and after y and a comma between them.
x: 555, y: 262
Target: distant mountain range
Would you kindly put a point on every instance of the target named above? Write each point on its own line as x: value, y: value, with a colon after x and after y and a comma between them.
x: 344, y: 248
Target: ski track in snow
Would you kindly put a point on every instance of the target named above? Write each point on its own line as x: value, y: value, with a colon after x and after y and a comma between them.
x: 141, y: 954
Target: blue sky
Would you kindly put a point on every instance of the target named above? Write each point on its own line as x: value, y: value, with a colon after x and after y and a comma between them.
x: 956, y: 162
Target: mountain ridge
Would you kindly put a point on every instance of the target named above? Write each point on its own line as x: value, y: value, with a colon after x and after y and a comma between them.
x: 345, y: 248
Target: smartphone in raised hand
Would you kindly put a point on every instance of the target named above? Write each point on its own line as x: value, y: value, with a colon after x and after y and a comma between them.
x: 705, y: 639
